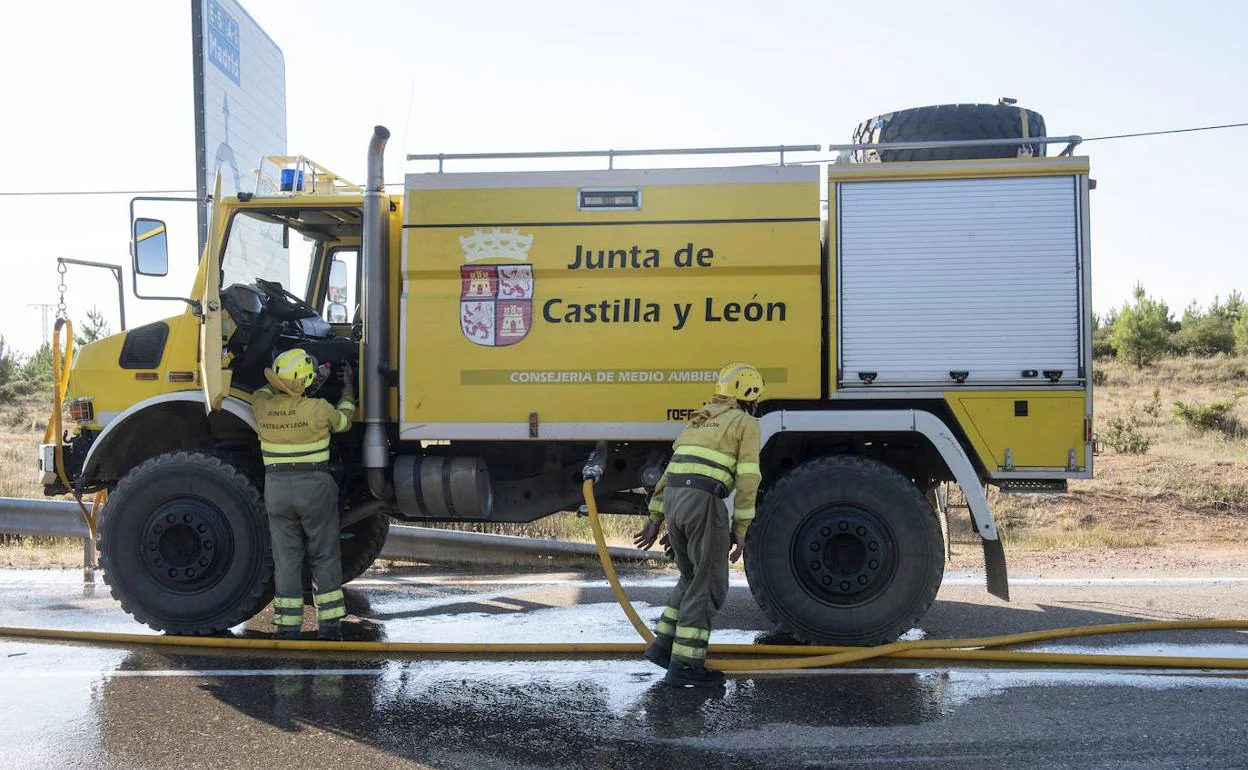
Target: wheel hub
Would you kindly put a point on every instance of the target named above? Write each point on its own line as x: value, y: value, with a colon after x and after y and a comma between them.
x: 186, y: 544
x: 844, y: 555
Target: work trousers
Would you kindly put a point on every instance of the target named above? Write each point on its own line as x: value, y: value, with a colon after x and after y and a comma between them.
x: 303, y: 523
x: 698, y: 530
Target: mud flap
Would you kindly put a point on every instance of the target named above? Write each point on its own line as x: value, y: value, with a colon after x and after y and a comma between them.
x: 994, y: 568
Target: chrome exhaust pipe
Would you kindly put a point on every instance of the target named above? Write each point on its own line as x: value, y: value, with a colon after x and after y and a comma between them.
x: 376, y: 369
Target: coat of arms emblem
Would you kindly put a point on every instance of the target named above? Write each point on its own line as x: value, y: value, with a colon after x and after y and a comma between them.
x: 496, y: 300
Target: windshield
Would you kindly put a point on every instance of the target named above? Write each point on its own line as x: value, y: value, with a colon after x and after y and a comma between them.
x: 253, y: 249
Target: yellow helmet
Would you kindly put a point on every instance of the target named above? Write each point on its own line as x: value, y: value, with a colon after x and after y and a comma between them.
x: 741, y: 381
x: 296, y: 366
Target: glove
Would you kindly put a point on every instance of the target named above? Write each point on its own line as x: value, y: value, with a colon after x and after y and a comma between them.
x: 348, y: 382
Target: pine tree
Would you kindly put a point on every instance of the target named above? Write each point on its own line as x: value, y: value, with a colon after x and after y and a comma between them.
x: 94, y: 328
x: 1141, y: 332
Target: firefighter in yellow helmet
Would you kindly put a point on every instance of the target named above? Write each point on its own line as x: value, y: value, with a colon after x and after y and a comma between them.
x: 300, y: 495
x: 715, y: 455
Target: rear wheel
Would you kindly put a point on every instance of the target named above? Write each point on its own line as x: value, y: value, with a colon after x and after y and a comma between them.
x: 184, y: 544
x: 845, y: 551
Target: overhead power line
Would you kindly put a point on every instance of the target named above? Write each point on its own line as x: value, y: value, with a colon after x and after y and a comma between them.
x: 35, y: 193
x: 1170, y: 131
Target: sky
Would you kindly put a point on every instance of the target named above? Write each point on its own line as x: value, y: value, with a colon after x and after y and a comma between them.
x: 99, y: 96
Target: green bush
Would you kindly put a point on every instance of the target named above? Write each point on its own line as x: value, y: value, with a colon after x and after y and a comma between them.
x: 1241, y: 334
x: 1125, y: 433
x: 1204, y: 336
x: 1215, y: 416
x: 1103, y: 334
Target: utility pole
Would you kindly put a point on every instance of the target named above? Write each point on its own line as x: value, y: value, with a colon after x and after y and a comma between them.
x: 46, y: 308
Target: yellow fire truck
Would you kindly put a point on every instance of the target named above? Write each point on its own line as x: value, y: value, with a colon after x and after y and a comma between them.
x: 932, y: 326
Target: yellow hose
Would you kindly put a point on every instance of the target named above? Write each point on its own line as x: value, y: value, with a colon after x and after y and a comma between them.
x: 54, y: 433
x: 793, y: 656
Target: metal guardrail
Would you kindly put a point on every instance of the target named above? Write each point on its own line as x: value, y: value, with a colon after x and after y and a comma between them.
x: 56, y: 518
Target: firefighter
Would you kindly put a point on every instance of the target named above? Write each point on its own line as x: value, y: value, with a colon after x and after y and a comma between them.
x: 715, y: 455
x: 300, y: 495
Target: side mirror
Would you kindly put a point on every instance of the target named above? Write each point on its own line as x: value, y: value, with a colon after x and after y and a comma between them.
x: 150, y: 248
x: 337, y: 313
x: 338, y: 282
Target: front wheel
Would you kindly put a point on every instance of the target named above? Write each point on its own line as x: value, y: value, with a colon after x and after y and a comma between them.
x: 184, y: 544
x: 844, y: 551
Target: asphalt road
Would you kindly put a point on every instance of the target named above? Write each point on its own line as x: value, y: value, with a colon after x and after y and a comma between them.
x: 79, y: 705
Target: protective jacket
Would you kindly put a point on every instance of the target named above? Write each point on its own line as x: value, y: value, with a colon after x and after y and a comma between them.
x: 294, y: 429
x: 718, y: 453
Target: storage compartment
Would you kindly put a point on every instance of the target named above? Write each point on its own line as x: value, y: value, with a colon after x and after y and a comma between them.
x: 947, y: 280
x: 1024, y: 430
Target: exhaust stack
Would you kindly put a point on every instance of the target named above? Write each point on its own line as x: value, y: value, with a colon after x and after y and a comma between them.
x: 376, y: 369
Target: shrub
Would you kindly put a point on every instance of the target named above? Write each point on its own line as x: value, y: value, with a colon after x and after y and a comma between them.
x: 1142, y: 330
x: 1215, y: 416
x: 1099, y: 377
x: 1153, y: 407
x: 1125, y: 434
x: 1241, y: 334
x: 1204, y: 336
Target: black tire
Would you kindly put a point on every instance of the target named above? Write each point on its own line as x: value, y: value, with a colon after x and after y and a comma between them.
x: 217, y: 545
x: 845, y: 550
x: 361, y: 543
x: 949, y: 122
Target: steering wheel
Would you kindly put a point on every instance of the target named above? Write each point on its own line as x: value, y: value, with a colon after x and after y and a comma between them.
x: 284, y: 304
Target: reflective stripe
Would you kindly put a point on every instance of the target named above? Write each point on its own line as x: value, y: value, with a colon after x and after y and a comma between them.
x: 344, y: 422
x: 328, y: 596
x: 665, y: 627
x: 331, y: 613
x: 288, y: 620
x: 671, y: 613
x: 656, y: 505
x: 284, y: 601
x: 685, y: 651
x: 698, y: 469
x: 319, y: 457
x: 289, y: 449
x: 280, y: 454
x: 749, y: 469
x: 715, y: 456
x: 345, y: 405
x: 684, y: 632
x: 743, y: 514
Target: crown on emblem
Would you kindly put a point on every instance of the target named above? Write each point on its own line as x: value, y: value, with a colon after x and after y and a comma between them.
x: 496, y: 243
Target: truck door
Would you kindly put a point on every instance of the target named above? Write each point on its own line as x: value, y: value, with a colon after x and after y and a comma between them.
x: 214, y: 380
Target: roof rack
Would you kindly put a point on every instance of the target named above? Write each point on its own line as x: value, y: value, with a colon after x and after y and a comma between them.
x: 298, y: 175
x: 611, y: 155
x: 1071, y: 143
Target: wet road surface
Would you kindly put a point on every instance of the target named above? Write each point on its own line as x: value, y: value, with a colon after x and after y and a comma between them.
x: 67, y: 704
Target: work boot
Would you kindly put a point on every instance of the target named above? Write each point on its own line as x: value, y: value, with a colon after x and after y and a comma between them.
x: 660, y: 652
x: 287, y: 633
x: 684, y: 675
x: 329, y: 632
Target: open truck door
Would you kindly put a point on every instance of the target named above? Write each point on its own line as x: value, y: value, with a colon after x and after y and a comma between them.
x: 214, y: 380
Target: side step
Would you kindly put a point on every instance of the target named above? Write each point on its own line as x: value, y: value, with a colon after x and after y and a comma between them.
x: 1032, y: 486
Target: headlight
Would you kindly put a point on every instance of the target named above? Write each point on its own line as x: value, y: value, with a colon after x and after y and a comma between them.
x: 79, y: 411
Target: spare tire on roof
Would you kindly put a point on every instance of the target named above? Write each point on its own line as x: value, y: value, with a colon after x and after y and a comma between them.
x: 950, y: 122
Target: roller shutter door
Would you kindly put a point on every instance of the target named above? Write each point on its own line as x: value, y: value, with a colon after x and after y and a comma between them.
x: 971, y: 275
